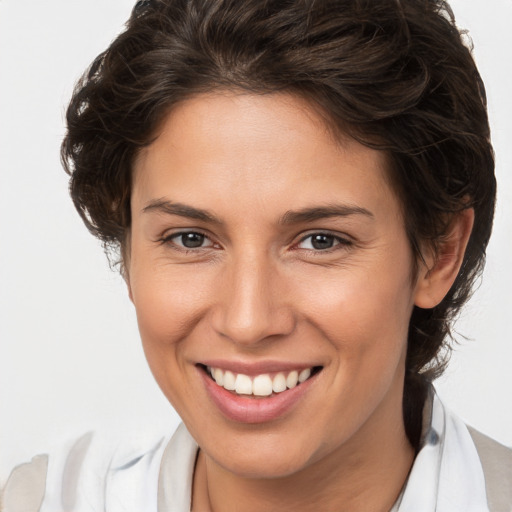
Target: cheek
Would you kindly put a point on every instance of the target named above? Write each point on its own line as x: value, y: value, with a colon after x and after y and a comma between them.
x: 167, y: 299
x: 168, y: 307
x: 169, y: 304
x: 354, y: 302
x: 363, y: 312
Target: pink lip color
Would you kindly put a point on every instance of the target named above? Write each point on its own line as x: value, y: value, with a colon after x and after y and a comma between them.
x: 243, y: 409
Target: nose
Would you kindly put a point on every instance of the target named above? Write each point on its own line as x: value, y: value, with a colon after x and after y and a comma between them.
x: 252, y: 306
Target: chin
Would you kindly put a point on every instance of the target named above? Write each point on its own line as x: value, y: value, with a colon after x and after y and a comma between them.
x: 262, y: 466
x: 264, y: 456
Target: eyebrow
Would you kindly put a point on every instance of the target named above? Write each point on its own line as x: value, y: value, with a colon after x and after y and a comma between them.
x: 183, y: 210
x: 290, y: 217
x: 323, y: 212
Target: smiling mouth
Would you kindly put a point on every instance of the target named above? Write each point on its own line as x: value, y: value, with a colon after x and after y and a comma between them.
x: 263, y: 385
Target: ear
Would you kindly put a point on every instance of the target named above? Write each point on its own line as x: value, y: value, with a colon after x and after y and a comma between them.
x: 438, y: 272
x: 125, y: 274
x: 125, y: 263
x: 128, y: 285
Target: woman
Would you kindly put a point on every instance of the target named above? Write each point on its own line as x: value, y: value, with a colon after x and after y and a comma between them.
x: 301, y: 194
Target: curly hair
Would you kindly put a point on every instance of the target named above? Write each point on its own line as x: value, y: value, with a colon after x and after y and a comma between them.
x: 394, y: 74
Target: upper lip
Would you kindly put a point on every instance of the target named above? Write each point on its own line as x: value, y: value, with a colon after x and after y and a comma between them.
x: 257, y: 367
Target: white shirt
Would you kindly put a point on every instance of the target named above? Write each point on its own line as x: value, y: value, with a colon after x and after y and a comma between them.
x: 446, y: 476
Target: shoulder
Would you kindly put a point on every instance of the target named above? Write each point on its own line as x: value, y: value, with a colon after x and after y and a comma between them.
x: 94, y: 472
x: 458, y: 468
x: 496, y: 460
x: 25, y: 488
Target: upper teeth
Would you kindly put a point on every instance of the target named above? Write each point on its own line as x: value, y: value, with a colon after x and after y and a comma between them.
x: 260, y: 385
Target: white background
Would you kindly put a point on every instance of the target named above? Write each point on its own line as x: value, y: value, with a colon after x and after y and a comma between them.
x: 70, y: 357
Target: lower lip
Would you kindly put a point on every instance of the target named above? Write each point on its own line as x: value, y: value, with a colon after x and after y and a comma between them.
x: 243, y: 409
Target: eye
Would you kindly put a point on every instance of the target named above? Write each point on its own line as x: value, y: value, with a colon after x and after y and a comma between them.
x: 189, y: 240
x: 321, y: 242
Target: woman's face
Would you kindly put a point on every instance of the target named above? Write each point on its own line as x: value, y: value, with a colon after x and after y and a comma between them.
x: 262, y: 247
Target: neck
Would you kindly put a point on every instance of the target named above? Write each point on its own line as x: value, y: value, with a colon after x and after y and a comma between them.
x: 366, y: 474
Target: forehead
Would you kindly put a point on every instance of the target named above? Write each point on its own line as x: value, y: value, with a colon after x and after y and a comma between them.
x: 271, y: 149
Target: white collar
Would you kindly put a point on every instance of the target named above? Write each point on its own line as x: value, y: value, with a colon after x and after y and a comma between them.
x: 447, y: 475
x: 176, y: 472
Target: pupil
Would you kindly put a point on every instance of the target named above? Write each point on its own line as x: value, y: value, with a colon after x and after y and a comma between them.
x: 192, y: 240
x: 322, y: 241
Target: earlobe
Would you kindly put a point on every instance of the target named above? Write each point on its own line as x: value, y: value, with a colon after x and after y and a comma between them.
x: 125, y: 264
x: 129, y: 290
x: 126, y: 277
x: 439, y: 271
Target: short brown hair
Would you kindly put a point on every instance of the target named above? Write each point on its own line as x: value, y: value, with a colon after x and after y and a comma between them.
x: 394, y: 74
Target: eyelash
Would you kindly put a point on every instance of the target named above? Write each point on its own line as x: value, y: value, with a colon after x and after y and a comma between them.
x: 170, y: 240
x: 338, y: 242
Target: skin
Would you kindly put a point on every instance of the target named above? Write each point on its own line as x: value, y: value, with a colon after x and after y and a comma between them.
x: 258, y: 290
